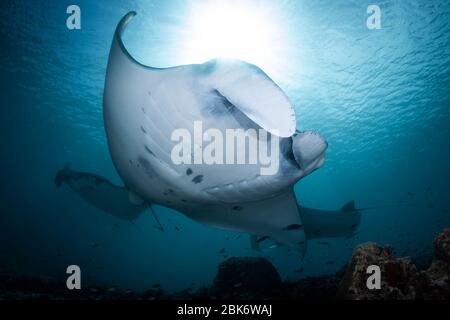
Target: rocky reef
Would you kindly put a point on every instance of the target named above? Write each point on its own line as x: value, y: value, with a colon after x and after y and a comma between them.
x: 256, y: 278
x: 247, y: 277
x: 400, y: 280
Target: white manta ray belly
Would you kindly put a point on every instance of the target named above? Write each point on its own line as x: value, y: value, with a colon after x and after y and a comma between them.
x: 143, y: 106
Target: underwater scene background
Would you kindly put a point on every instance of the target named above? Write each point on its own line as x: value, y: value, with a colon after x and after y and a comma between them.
x: 379, y: 97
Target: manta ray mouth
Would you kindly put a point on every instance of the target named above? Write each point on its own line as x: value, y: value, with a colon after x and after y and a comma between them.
x: 286, y: 149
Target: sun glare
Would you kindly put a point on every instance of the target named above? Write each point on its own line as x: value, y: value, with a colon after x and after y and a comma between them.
x: 249, y: 31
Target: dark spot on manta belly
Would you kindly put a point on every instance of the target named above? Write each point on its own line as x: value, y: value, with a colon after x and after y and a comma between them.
x: 237, y: 208
x: 189, y: 171
x: 293, y: 227
x: 198, y: 179
x: 143, y: 130
x: 146, y: 165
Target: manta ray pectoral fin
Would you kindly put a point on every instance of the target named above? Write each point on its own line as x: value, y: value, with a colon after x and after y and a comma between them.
x: 244, y: 85
x: 331, y: 224
x: 62, y: 175
x: 276, y: 218
x: 349, y: 206
x: 253, y: 92
x: 100, y: 193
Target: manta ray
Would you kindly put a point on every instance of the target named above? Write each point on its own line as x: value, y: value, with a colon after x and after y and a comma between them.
x: 143, y: 106
x: 114, y: 200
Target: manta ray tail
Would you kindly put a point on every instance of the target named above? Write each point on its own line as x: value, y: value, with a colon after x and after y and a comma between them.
x: 391, y: 206
x: 159, y: 226
x: 135, y: 225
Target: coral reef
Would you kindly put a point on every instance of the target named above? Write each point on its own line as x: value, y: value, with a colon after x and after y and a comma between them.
x: 400, y: 279
x: 398, y: 275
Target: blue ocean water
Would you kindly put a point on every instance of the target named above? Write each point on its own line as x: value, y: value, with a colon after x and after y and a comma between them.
x: 379, y: 97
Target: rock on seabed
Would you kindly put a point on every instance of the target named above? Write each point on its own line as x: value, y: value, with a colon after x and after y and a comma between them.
x: 400, y: 279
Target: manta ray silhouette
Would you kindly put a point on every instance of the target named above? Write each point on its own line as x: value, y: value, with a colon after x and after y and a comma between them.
x: 143, y: 105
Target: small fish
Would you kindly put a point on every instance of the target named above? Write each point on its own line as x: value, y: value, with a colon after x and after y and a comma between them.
x: 116, y: 225
x: 330, y: 262
x: 237, y: 285
x: 95, y: 245
x: 273, y: 246
x: 410, y: 194
x: 324, y: 243
x: 238, y: 236
x: 401, y: 201
x: 228, y: 238
x: 176, y: 228
x: 431, y: 206
x: 222, y: 251
x: 262, y: 239
x: 309, y: 261
x: 293, y: 227
x: 354, y: 225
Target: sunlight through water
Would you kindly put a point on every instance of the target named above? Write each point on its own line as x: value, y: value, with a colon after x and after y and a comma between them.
x: 249, y: 31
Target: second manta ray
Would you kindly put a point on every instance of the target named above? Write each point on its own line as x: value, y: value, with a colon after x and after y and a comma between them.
x: 143, y: 106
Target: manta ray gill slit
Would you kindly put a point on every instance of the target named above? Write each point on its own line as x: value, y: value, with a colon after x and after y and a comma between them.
x: 252, y: 31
